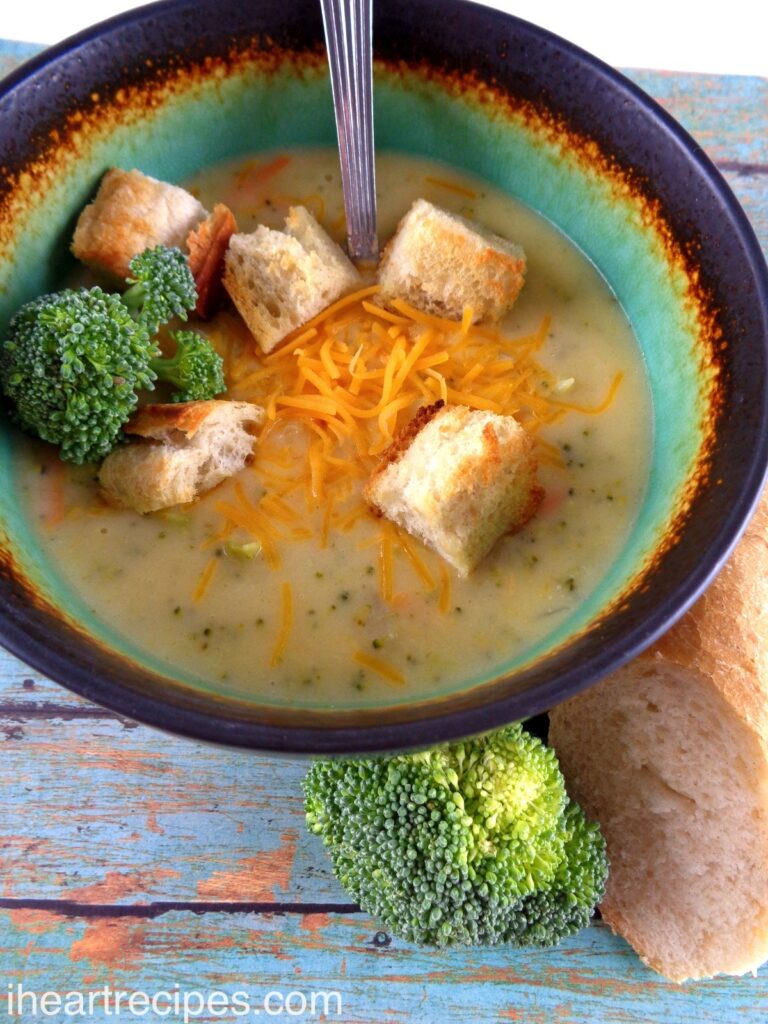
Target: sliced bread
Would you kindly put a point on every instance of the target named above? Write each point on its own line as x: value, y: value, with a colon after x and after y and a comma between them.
x: 442, y: 263
x: 188, y: 449
x: 670, y: 755
x: 133, y: 212
x: 278, y: 280
x: 457, y: 478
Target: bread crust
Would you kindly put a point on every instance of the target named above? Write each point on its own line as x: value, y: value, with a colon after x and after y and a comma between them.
x: 716, y: 654
x: 279, y: 280
x: 724, y: 637
x: 207, y: 245
x: 130, y: 213
x: 162, y: 419
x: 185, y: 449
x: 458, y: 479
x: 149, y: 477
x: 442, y: 263
x: 402, y: 442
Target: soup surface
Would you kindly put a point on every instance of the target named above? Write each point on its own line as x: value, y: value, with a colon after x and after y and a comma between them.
x: 280, y: 585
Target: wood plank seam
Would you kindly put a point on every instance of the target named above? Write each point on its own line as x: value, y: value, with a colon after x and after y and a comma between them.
x: 150, y: 911
x: 742, y: 169
x: 18, y: 712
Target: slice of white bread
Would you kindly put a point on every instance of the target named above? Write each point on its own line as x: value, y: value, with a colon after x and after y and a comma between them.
x: 457, y: 478
x: 130, y: 213
x: 189, y: 448
x: 278, y: 280
x: 441, y: 263
x: 670, y: 755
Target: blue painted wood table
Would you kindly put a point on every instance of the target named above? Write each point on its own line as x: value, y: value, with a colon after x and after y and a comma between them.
x: 173, y: 871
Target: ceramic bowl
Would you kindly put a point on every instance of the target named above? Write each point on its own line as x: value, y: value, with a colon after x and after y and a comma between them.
x: 178, y: 85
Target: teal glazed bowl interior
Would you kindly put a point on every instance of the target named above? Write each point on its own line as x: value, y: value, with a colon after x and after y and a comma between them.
x: 176, y: 86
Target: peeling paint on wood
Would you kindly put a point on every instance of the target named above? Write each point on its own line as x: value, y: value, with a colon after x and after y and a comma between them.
x: 118, y: 884
x: 117, y: 943
x: 213, y: 811
x: 377, y: 983
x: 254, y: 878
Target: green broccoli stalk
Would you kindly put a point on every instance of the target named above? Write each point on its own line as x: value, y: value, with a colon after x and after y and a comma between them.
x: 195, y: 370
x: 73, y: 360
x: 471, y: 843
x: 162, y: 287
x: 71, y: 366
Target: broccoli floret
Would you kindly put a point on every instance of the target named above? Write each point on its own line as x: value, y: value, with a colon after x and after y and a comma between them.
x: 545, y: 917
x: 195, y: 370
x: 73, y: 360
x: 162, y: 287
x: 71, y: 366
x: 471, y: 843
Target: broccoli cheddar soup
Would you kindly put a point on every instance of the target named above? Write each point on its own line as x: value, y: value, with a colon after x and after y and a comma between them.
x: 281, y: 583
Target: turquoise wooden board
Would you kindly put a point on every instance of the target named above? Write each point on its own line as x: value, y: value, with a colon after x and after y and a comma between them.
x: 202, y: 813
x: 144, y: 861
x: 728, y: 115
x: 591, y: 978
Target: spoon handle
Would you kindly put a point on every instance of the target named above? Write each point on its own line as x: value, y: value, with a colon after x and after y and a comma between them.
x: 348, y: 31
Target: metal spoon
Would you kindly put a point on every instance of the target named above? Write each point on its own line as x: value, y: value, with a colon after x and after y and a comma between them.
x: 348, y: 31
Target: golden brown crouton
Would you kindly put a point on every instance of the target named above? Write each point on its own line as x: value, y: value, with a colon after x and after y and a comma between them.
x: 281, y: 279
x: 457, y: 478
x: 133, y: 212
x: 441, y: 263
x: 190, y: 447
x: 207, y: 245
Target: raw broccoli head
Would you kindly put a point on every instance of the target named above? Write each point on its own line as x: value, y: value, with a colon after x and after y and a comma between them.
x: 196, y: 370
x: 161, y: 287
x: 546, y: 916
x: 469, y: 843
x: 71, y: 365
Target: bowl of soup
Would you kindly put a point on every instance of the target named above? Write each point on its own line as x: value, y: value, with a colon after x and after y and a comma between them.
x: 277, y: 612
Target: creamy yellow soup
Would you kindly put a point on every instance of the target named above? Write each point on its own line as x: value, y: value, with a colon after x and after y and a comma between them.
x: 316, y: 609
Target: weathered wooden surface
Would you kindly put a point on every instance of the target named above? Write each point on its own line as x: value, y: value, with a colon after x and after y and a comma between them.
x: 145, y: 862
x: 728, y: 116
x: 589, y: 979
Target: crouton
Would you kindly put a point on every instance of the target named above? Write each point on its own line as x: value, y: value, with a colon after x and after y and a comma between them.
x: 278, y: 280
x: 441, y: 263
x: 188, y: 449
x: 457, y: 479
x: 133, y: 212
x: 207, y: 245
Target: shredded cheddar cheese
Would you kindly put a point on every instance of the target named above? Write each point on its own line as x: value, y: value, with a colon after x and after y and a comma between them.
x: 380, y: 667
x: 385, y: 566
x: 444, y: 599
x: 205, y: 579
x: 416, y: 560
x: 337, y: 392
x: 451, y: 186
x: 286, y: 624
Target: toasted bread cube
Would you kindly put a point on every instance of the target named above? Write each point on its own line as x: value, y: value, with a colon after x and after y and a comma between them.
x: 208, y: 245
x: 441, y: 263
x: 133, y: 212
x: 457, y: 478
x: 278, y: 280
x: 189, y: 448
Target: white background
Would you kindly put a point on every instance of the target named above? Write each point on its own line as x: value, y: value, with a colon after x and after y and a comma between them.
x: 677, y: 35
